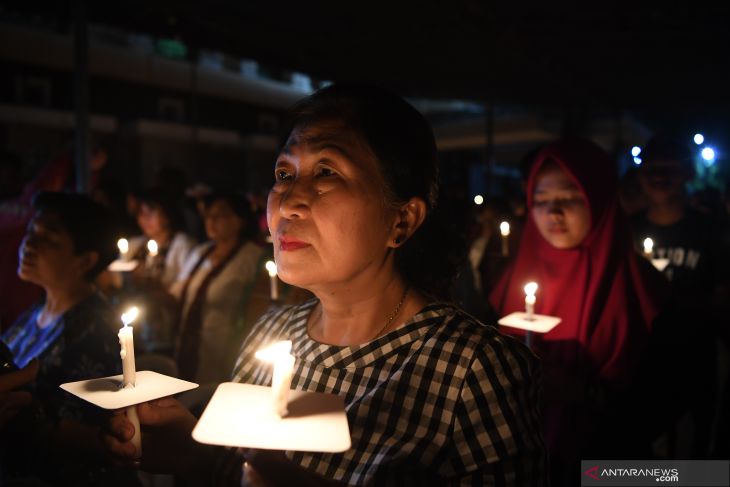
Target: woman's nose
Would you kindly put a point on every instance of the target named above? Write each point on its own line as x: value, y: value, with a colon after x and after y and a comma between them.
x: 555, y: 209
x: 296, y: 201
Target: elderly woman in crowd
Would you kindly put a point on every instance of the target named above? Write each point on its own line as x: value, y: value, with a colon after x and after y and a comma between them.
x: 433, y: 397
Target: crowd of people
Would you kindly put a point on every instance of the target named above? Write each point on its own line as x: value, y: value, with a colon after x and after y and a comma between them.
x: 385, y: 304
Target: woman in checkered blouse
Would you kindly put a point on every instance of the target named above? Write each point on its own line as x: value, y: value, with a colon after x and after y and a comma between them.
x: 433, y: 397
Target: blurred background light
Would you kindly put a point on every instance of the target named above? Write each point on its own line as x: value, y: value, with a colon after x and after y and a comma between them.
x: 708, y: 154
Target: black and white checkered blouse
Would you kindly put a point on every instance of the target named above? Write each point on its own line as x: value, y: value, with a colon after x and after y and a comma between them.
x: 441, y: 400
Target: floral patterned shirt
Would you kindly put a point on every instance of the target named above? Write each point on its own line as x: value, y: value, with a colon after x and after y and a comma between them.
x: 81, y: 344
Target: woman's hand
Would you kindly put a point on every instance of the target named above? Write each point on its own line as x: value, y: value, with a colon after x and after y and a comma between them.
x: 268, y: 468
x: 167, y: 444
x: 12, y: 401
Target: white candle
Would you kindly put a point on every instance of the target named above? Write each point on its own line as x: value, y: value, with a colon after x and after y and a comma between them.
x: 126, y: 341
x: 530, y: 290
x: 152, y: 248
x: 129, y: 377
x: 279, y: 355
x: 648, y: 247
x: 504, y: 231
x: 123, y: 245
x: 271, y: 268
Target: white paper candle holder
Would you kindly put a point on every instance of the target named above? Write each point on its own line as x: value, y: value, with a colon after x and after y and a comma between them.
x: 240, y: 415
x: 120, y: 265
x: 531, y: 324
x: 660, y: 264
x: 108, y: 393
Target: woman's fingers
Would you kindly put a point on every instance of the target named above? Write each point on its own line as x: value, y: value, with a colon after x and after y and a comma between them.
x: 160, y: 412
x: 121, y: 452
x: 120, y: 427
x: 251, y: 477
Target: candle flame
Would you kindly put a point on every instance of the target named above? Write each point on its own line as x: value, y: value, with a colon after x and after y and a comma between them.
x: 271, y: 268
x: 152, y: 247
x: 274, y: 352
x: 130, y: 315
x: 504, y: 229
x: 123, y: 245
x: 531, y: 288
x: 648, y: 245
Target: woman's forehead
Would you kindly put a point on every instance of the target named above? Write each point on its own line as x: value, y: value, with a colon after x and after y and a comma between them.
x: 49, y: 221
x: 553, y: 177
x: 321, y: 135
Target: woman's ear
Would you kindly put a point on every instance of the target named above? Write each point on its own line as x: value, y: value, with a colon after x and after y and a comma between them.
x: 410, y: 216
x: 87, y: 261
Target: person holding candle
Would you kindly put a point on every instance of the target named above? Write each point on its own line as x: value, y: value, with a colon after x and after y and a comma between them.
x: 213, y: 290
x: 576, y: 245
x: 432, y: 395
x: 697, y: 266
x: 162, y: 251
x: 72, y: 334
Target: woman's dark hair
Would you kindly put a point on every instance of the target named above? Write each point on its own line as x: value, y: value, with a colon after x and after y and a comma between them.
x: 92, y: 227
x: 168, y: 204
x: 240, y: 206
x: 403, y: 144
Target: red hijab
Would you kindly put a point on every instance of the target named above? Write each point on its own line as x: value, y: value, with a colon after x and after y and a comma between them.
x: 606, y: 296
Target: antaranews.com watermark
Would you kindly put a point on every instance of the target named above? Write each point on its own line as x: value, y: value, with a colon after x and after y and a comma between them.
x: 681, y: 473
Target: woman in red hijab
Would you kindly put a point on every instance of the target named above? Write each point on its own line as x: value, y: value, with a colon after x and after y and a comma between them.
x: 576, y: 245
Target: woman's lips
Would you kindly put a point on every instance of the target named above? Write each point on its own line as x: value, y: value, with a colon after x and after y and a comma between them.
x: 287, y: 244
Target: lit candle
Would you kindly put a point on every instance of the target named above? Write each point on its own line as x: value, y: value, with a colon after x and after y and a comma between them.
x: 152, y: 247
x: 126, y: 340
x: 129, y: 377
x: 648, y: 247
x: 279, y: 355
x: 530, y: 290
x: 123, y: 245
x: 271, y: 268
x: 504, y: 230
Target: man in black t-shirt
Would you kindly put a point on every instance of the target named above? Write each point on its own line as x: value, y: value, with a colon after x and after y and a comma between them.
x: 691, y: 243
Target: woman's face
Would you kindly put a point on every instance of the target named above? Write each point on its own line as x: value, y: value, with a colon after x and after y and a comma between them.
x: 560, y: 208
x: 326, y: 211
x: 152, y: 220
x: 46, y: 254
x: 221, y: 222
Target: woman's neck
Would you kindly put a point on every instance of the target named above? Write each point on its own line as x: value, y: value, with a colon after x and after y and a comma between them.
x: 353, y: 317
x: 163, y: 238
x: 61, y: 299
x: 222, y: 249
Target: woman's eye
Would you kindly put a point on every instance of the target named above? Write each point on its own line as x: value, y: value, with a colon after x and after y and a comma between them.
x: 325, y: 172
x: 282, y: 175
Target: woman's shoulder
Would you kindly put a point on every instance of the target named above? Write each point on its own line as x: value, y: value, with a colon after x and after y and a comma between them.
x: 478, y: 340
x: 182, y: 240
x: 94, y: 314
x: 249, y: 253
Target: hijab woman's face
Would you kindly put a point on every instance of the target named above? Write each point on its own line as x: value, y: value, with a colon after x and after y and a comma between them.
x: 560, y: 208
x: 326, y: 211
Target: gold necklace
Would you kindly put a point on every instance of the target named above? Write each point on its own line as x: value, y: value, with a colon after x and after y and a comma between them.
x: 394, y: 313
